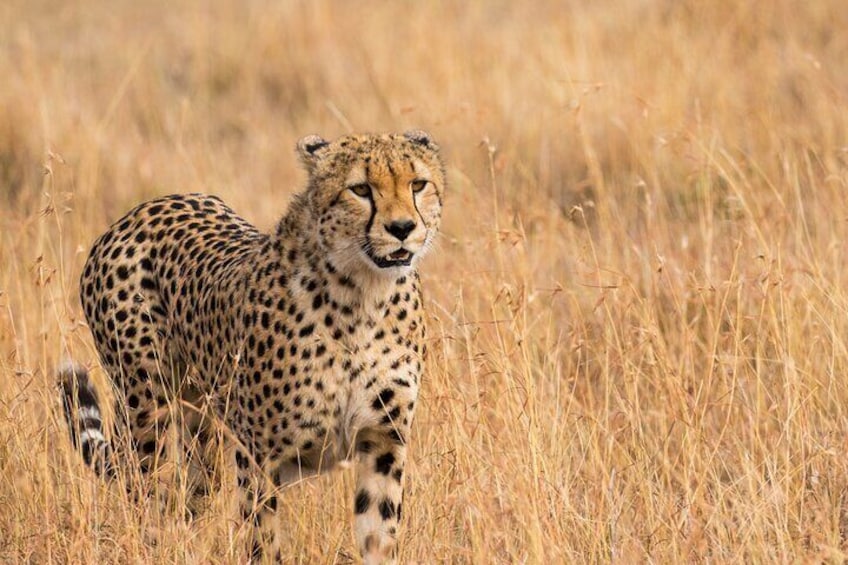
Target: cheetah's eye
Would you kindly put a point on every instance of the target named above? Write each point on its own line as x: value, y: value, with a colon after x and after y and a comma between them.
x: 363, y: 189
x: 418, y: 185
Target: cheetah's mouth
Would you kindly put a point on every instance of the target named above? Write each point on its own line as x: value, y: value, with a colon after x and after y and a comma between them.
x: 399, y: 258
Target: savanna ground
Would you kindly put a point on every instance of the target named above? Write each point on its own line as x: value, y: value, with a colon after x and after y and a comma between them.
x: 638, y: 307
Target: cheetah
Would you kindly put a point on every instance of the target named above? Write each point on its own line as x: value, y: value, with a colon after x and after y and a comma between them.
x: 307, y: 342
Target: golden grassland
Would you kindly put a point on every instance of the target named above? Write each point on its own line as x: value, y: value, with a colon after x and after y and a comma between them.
x: 638, y: 307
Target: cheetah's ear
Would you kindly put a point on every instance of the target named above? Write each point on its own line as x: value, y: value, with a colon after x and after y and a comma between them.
x: 309, y: 148
x: 421, y: 137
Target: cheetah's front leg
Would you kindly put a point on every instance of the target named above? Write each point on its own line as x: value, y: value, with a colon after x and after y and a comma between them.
x: 379, y: 493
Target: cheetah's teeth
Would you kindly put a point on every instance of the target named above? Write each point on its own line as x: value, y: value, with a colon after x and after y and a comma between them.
x: 399, y: 254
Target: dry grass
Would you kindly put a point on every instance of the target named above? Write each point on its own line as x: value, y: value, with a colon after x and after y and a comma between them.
x: 638, y: 309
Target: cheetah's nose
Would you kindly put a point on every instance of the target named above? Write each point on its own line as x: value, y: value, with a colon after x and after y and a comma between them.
x: 400, y: 228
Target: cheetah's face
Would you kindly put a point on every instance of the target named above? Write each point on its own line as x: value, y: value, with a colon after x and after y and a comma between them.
x: 377, y: 199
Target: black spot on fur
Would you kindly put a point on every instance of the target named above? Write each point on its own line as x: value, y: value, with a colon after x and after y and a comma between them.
x: 384, y: 463
x: 387, y: 509
x: 391, y: 416
x: 383, y: 399
x: 363, y: 502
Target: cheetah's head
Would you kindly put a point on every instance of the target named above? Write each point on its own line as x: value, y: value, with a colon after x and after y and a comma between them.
x: 376, y: 199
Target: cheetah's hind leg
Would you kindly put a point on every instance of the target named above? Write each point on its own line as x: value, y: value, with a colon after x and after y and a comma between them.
x: 141, y: 436
x: 203, y: 448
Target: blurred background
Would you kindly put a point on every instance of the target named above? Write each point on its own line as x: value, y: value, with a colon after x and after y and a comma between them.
x: 638, y: 303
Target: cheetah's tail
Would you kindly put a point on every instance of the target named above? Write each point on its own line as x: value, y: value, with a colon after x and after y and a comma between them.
x: 82, y: 412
